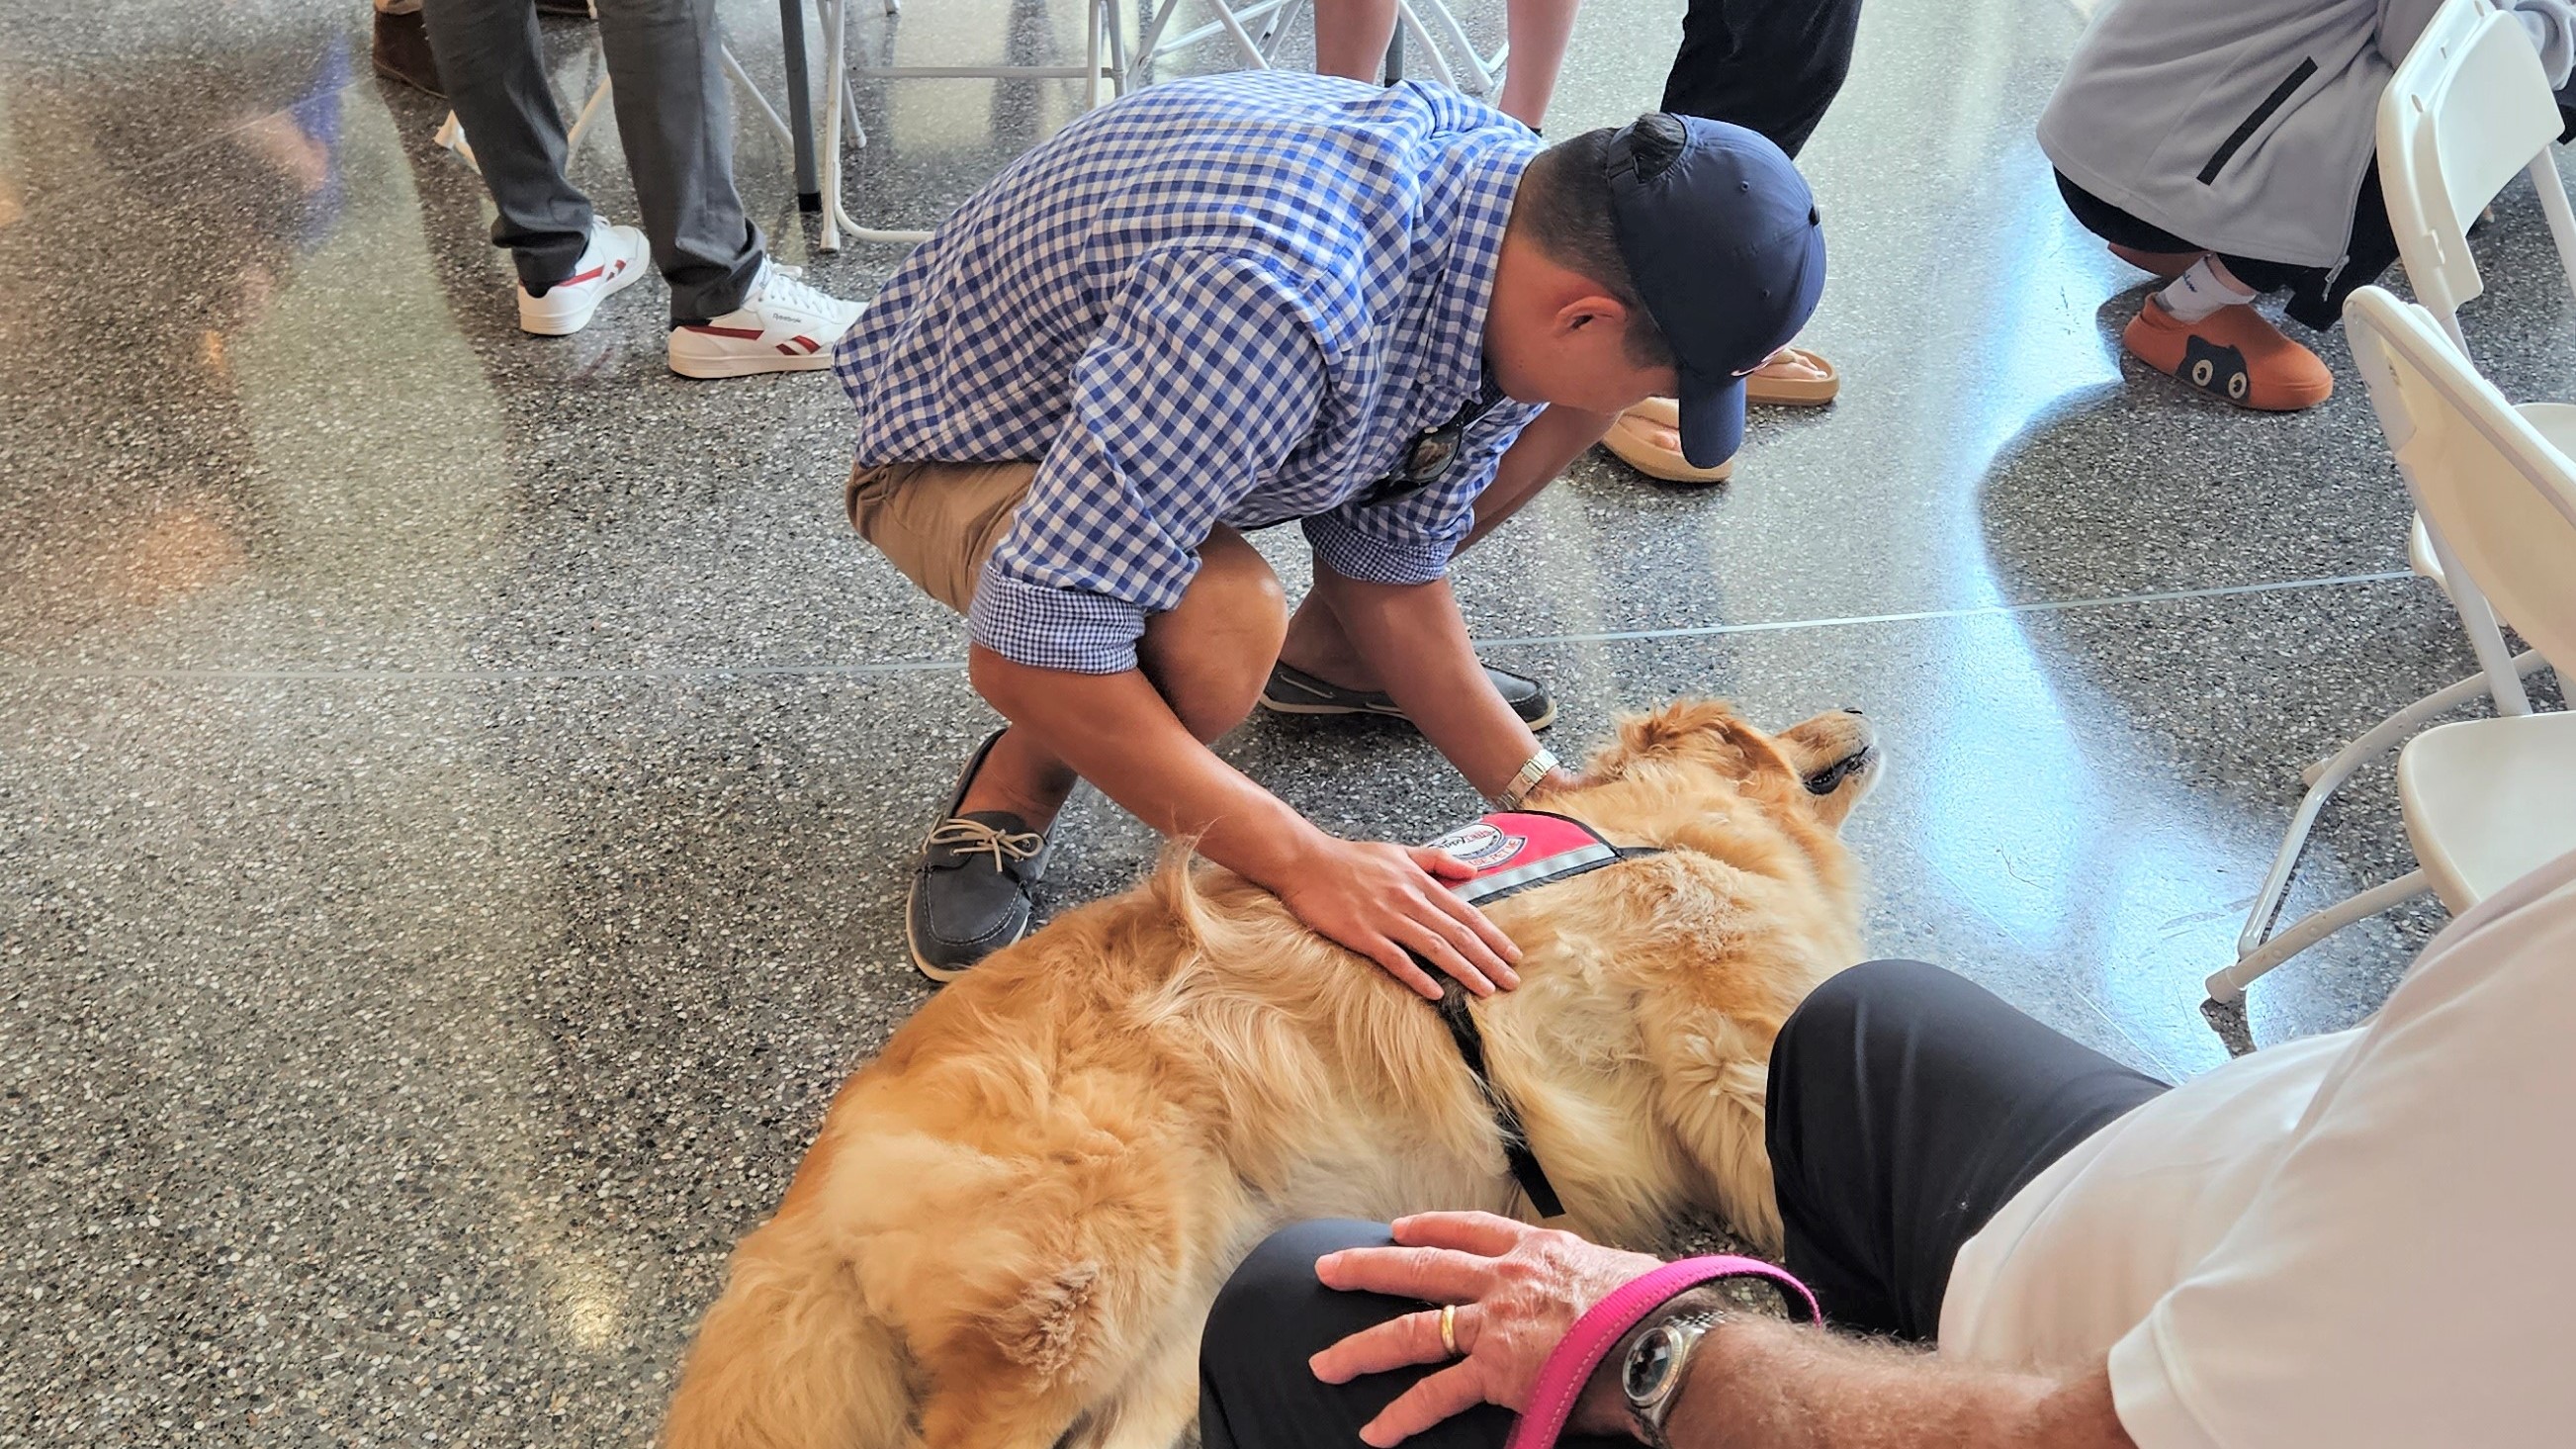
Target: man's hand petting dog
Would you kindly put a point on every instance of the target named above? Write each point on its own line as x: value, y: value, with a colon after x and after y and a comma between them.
x: 1518, y: 1289
x: 1379, y: 899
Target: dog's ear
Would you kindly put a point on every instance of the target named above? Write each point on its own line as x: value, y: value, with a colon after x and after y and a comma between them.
x: 1685, y: 725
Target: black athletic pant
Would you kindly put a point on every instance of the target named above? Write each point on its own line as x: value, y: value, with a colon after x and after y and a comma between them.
x: 1906, y: 1105
x: 2316, y: 293
x: 1771, y: 66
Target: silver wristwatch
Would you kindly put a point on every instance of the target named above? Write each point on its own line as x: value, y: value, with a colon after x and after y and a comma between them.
x: 1527, y: 780
x: 1657, y: 1364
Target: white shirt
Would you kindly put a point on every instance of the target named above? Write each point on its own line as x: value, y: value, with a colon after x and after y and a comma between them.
x: 2361, y: 1239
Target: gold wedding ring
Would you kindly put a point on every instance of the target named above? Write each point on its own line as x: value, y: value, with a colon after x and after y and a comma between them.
x: 1449, y: 1329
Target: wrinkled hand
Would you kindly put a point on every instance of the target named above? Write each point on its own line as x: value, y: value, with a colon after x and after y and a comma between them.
x: 1377, y: 899
x: 1519, y: 1289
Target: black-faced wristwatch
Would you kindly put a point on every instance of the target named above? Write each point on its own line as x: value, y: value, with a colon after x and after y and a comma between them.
x: 1657, y: 1364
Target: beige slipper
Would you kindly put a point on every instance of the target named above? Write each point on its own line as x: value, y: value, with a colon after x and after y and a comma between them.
x: 1793, y: 377
x: 1645, y: 438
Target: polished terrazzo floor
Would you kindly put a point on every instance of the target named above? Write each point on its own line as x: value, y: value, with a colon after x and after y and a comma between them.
x: 453, y: 785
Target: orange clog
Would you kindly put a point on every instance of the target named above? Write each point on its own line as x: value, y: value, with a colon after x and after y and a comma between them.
x: 2234, y: 354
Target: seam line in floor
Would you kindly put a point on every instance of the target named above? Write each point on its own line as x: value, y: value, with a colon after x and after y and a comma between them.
x: 1971, y: 611
x: 938, y: 666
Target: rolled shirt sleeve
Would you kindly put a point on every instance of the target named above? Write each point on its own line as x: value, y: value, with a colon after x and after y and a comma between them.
x: 1204, y: 377
x: 1409, y: 540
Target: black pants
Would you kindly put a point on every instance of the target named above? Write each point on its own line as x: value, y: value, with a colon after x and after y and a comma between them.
x: 2316, y: 293
x: 1771, y: 66
x: 1906, y: 1105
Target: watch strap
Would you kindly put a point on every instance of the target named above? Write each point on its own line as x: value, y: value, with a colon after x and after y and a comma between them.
x: 1531, y: 772
x: 1649, y: 1421
x: 1580, y: 1352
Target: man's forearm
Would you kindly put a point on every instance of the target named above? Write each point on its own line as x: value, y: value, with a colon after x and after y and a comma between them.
x: 1416, y: 642
x: 1762, y: 1384
x: 1115, y: 731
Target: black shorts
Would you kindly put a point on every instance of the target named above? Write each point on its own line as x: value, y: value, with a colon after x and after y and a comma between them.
x: 2316, y: 293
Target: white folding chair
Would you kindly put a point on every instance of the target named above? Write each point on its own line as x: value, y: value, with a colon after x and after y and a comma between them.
x: 1448, y: 53
x: 2488, y: 800
x: 2467, y: 110
x: 1104, y: 66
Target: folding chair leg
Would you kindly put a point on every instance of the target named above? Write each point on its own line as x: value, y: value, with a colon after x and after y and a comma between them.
x: 1117, y: 50
x: 842, y: 101
x: 1482, y: 79
x: 581, y: 123
x: 2229, y: 985
x: 2327, y: 775
x: 1092, y: 47
x: 1411, y: 23
x: 1274, y: 31
x: 1242, y: 38
x: 1280, y: 19
x: 733, y: 67
x: 2486, y: 639
x: 1150, y: 39
x: 836, y: 82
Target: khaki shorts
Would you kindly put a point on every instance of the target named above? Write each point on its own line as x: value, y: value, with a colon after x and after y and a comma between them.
x: 938, y: 522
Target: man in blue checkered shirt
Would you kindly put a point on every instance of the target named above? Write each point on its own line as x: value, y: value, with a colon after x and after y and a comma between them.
x: 1230, y: 302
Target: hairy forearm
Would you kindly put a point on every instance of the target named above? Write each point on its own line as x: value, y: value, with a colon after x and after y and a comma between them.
x: 1115, y: 731
x: 1762, y: 1384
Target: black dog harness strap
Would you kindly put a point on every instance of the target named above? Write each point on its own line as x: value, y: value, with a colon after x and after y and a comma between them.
x: 1516, y: 1147
x: 1514, y: 851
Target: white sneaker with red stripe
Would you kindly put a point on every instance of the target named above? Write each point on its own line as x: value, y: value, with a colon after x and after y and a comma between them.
x: 783, y: 326
x: 612, y: 262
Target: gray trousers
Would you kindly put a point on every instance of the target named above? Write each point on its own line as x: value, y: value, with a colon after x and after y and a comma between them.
x: 672, y: 112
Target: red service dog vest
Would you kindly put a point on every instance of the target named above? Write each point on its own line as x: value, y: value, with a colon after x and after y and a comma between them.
x: 1515, y: 850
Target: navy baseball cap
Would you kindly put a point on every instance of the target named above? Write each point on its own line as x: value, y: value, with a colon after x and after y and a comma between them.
x: 1723, y: 244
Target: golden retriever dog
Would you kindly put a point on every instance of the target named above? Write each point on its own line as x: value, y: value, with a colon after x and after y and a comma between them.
x: 1014, y: 1220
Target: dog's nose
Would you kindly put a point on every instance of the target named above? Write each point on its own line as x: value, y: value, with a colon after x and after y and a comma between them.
x: 1852, y: 709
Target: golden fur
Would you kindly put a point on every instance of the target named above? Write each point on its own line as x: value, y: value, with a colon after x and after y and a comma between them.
x: 1014, y: 1220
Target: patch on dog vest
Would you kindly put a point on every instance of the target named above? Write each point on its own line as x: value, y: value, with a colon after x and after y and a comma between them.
x: 1515, y: 850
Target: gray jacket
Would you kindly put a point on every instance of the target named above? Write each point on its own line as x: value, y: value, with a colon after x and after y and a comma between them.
x: 2244, y: 126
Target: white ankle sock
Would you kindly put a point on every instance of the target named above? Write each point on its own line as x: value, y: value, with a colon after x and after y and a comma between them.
x: 2202, y: 290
